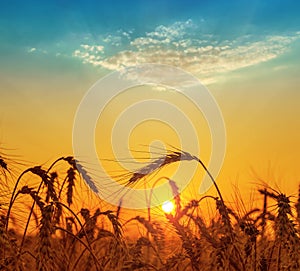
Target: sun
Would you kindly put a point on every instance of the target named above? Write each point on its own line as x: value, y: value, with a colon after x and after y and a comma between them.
x: 167, y: 207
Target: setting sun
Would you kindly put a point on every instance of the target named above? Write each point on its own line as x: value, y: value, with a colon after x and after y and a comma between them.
x: 150, y: 135
x: 167, y: 207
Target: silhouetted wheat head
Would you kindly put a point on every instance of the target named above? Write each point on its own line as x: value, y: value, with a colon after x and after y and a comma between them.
x: 59, y: 232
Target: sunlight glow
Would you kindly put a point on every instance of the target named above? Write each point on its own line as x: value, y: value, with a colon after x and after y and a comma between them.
x: 167, y: 207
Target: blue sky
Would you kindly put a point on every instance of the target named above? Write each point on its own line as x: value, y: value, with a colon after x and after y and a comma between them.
x: 29, y: 19
x: 59, y: 34
x: 29, y: 23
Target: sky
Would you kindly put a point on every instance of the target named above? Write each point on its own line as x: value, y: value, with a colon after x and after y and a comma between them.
x: 247, y: 53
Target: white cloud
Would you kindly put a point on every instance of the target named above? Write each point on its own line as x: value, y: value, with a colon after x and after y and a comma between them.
x: 173, y: 31
x: 177, y: 45
x: 77, y: 53
x: 85, y: 46
x: 114, y: 40
x: 90, y: 53
x: 37, y: 50
x: 99, y: 48
x: 92, y: 48
x: 31, y: 50
x: 204, y: 62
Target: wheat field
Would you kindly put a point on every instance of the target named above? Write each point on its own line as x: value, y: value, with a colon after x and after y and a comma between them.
x: 45, y: 226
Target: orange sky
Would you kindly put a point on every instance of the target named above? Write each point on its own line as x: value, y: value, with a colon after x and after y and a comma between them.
x: 260, y: 111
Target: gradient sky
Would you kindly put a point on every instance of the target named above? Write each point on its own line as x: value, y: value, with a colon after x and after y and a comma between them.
x: 246, y: 52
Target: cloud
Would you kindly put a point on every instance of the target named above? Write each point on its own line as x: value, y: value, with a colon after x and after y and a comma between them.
x: 90, y: 53
x: 31, y: 50
x: 37, y: 50
x: 114, y: 40
x: 92, y: 48
x: 180, y: 45
x: 176, y: 30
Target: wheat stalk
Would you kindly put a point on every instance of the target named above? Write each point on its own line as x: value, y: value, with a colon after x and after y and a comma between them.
x: 170, y: 158
x: 45, y: 259
x: 71, y: 174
